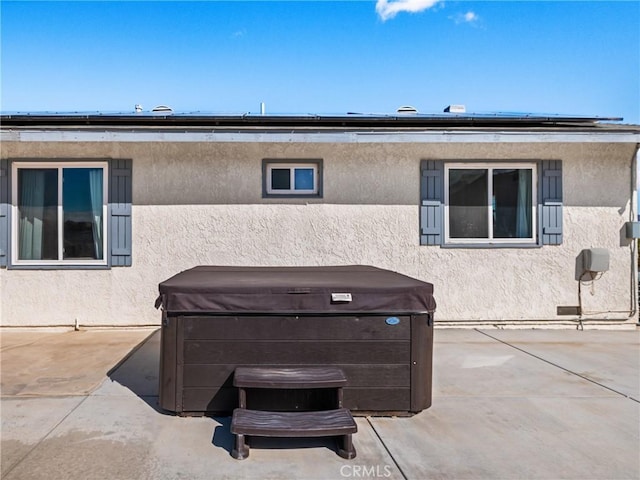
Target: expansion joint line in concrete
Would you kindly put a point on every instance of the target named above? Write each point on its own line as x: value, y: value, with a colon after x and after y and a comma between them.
x: 558, y: 366
x: 44, y: 437
x: 386, y: 448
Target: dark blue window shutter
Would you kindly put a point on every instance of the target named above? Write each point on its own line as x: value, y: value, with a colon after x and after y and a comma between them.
x: 4, y: 212
x: 120, y: 212
x: 551, y: 202
x: 431, y: 202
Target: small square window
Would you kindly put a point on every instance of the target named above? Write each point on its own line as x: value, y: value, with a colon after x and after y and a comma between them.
x: 292, y: 179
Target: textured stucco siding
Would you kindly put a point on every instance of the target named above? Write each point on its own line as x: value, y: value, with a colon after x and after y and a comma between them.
x: 201, y: 203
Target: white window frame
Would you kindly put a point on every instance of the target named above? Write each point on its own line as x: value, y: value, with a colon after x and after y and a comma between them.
x: 490, y: 167
x: 292, y: 167
x: 14, y: 213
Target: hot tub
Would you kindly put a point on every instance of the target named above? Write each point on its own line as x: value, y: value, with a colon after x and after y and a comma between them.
x: 374, y: 324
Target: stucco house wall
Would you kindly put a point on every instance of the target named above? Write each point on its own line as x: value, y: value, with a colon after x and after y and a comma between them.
x: 198, y: 203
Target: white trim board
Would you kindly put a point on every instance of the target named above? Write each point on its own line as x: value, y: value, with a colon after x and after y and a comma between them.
x: 293, y: 136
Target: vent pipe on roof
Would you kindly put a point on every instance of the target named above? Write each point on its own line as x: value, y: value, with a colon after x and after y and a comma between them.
x: 407, y: 109
x: 455, y: 109
x: 138, y: 108
x: 262, y: 109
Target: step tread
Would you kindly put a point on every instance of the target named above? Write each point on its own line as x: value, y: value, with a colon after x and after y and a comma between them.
x: 303, y: 377
x: 293, y: 424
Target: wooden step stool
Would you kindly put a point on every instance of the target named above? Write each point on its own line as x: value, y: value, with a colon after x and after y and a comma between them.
x: 323, y: 423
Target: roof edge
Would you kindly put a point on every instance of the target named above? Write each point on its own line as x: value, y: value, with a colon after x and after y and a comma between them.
x: 499, y: 120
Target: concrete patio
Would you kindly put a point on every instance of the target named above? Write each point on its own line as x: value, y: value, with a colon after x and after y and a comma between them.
x: 507, y: 404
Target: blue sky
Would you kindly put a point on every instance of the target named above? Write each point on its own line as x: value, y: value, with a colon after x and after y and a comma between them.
x: 323, y: 57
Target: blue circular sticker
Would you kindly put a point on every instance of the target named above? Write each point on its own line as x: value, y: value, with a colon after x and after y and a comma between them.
x: 392, y: 321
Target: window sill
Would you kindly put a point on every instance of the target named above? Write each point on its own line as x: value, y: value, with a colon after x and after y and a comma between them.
x: 291, y: 195
x: 491, y: 245
x: 59, y: 267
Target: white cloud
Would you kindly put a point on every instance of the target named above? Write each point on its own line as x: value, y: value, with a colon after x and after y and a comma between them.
x: 469, y: 17
x: 390, y: 8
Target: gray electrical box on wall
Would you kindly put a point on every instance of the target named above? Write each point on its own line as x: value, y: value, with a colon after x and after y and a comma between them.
x: 595, y: 260
x: 633, y: 229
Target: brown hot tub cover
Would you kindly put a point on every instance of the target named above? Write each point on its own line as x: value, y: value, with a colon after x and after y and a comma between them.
x: 305, y: 290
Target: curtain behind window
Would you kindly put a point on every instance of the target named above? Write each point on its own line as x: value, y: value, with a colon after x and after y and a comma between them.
x: 524, y: 208
x: 31, y: 213
x: 96, y: 190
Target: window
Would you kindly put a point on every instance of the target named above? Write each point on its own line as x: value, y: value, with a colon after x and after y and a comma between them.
x: 59, y: 213
x: 292, y: 178
x: 490, y: 203
x: 65, y: 214
x: 497, y: 204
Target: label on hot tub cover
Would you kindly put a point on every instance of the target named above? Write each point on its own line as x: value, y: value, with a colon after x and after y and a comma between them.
x: 341, y: 297
x: 392, y: 321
